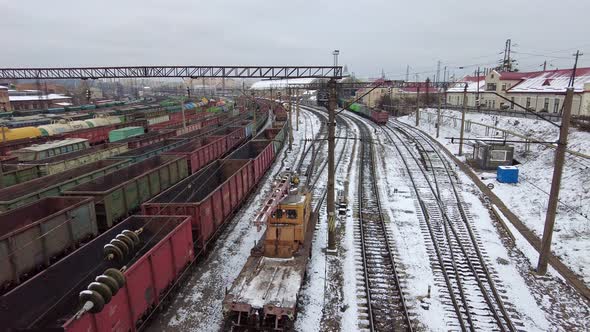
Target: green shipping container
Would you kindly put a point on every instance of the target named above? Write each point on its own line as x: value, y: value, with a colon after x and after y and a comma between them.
x: 118, y: 194
x: 123, y: 133
x: 54, y: 185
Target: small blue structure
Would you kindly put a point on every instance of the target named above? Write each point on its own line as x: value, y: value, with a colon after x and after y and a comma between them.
x: 507, y: 174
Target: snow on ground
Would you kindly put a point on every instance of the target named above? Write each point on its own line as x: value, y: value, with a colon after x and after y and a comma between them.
x: 313, y: 298
x: 398, y: 198
x: 516, y: 288
x: 198, y: 305
x: 349, y: 320
x: 528, y: 199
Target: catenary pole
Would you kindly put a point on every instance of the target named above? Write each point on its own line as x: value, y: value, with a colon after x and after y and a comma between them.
x: 331, y: 176
x: 557, y: 174
x: 463, y: 120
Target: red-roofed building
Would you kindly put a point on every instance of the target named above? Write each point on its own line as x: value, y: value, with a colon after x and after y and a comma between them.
x: 374, y: 96
x: 541, y: 91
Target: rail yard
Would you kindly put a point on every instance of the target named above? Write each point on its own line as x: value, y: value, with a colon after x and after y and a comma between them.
x: 219, y: 166
x: 216, y: 220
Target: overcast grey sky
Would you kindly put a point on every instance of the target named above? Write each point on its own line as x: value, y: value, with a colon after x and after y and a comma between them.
x: 371, y: 35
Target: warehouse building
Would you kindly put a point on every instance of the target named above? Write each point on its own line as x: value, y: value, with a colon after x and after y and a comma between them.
x: 542, y: 91
x: 36, y: 102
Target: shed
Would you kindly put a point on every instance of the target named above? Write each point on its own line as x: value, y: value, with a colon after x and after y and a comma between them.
x: 491, y: 152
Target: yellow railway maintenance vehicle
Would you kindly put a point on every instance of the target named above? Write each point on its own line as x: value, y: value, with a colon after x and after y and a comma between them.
x: 264, y: 295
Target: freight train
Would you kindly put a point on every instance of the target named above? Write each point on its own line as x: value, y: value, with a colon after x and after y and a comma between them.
x: 377, y: 116
x: 89, y: 264
x: 38, y: 127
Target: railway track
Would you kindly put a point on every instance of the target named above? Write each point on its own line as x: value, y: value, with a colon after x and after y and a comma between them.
x: 386, y: 307
x: 474, y: 291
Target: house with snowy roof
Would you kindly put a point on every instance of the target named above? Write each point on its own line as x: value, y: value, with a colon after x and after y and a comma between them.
x: 541, y: 91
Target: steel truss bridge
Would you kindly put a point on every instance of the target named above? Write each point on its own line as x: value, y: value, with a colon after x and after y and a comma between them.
x: 271, y: 72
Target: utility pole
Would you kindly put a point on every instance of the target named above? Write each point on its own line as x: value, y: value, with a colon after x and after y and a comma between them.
x: 545, y: 65
x: 438, y: 116
x: 332, y: 99
x: 463, y: 120
x: 418, y: 105
x: 290, y: 120
x: 297, y: 105
x: 477, y: 102
x: 557, y: 173
x: 254, y: 116
x: 427, y: 92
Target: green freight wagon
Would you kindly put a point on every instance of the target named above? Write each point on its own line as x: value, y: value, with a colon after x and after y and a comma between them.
x: 124, y: 133
x: 118, y: 194
x: 14, y: 174
x: 355, y: 107
x: 54, y: 185
x: 34, y: 235
x: 67, y: 161
x: 151, y: 150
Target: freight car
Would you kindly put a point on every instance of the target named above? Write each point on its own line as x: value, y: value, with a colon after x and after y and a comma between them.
x: 379, y: 117
x: 51, y: 149
x: 71, y: 160
x: 151, y: 137
x: 209, y: 197
x: 54, y: 185
x: 36, y: 235
x: 200, y: 151
x: 90, y: 292
x: 120, y: 193
x: 261, y: 153
x: 131, y: 302
x: 151, y: 150
x: 233, y: 136
x: 13, y: 174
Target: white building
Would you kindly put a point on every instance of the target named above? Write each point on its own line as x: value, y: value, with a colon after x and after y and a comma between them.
x: 542, y: 91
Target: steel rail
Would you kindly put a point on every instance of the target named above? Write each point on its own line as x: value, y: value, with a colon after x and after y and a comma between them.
x: 473, y: 241
x: 370, y: 155
x: 435, y: 243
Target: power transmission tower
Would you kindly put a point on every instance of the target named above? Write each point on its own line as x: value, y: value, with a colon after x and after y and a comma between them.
x: 557, y: 173
x: 506, y: 62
